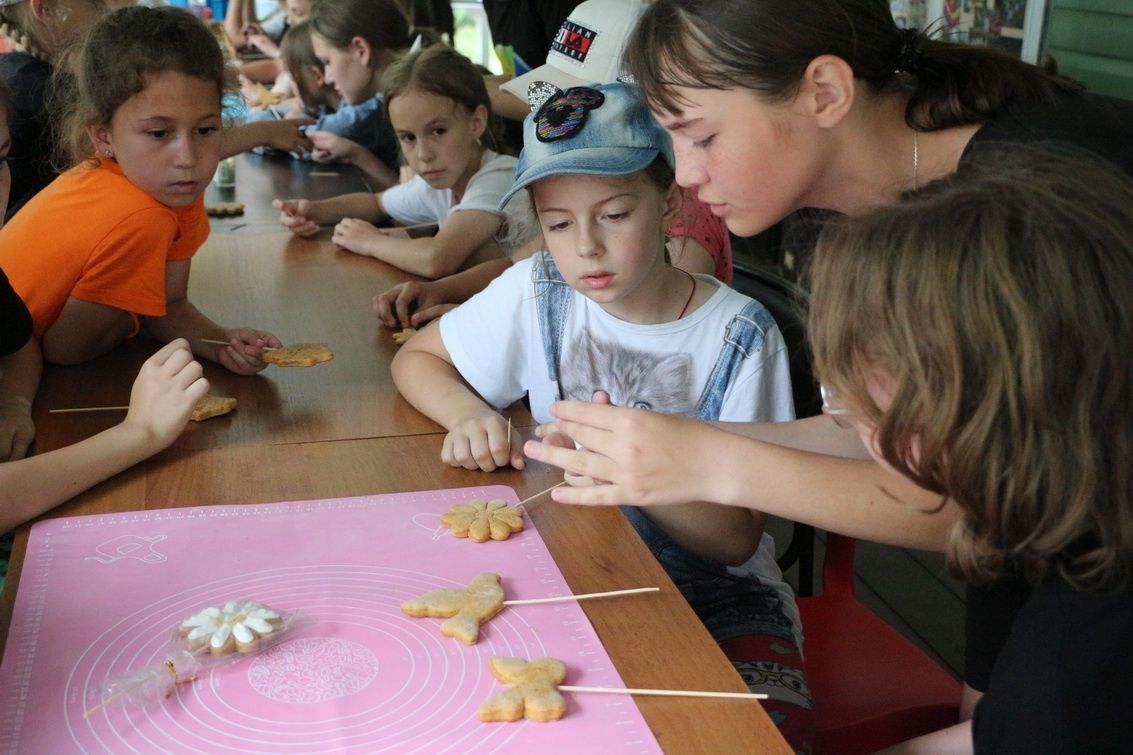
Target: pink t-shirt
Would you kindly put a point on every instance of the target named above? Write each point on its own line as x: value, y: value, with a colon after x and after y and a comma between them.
x: 699, y: 224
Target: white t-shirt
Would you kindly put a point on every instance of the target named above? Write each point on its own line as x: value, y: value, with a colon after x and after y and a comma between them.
x: 415, y: 202
x: 496, y: 345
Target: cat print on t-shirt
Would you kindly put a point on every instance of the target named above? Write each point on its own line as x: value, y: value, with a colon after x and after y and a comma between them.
x: 660, y: 382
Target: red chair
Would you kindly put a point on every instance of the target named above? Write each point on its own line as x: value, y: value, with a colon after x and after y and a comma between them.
x: 872, y: 687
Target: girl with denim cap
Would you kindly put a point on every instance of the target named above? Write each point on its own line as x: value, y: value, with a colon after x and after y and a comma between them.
x: 603, y: 314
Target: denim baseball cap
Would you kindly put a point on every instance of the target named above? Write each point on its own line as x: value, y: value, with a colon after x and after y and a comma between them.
x: 599, y: 130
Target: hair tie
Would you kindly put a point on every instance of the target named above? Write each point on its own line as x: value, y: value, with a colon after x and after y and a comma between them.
x: 910, y: 55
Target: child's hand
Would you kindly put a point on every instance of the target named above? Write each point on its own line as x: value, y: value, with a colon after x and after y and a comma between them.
x: 286, y: 135
x: 328, y: 147
x: 167, y: 387
x: 244, y: 352
x: 356, y: 236
x: 481, y: 442
x: 17, y: 430
x: 411, y: 304
x: 298, y: 216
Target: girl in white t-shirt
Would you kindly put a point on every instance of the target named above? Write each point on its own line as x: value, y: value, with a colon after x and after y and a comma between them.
x: 439, y: 109
x: 604, y: 315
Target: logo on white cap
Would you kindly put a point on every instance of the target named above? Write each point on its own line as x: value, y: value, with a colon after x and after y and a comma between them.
x: 574, y: 40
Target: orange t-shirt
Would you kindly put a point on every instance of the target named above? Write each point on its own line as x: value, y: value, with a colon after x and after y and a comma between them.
x: 93, y: 235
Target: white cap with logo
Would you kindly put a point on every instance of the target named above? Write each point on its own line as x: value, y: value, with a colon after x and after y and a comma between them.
x: 587, y: 48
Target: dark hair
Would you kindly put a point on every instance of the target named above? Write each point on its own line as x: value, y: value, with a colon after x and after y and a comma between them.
x: 999, y: 301
x: 382, y: 23
x: 435, y: 15
x: 766, y: 45
x: 298, y: 54
x: 442, y: 71
x: 121, y: 51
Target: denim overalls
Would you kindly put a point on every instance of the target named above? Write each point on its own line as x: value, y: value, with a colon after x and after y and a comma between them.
x: 729, y: 603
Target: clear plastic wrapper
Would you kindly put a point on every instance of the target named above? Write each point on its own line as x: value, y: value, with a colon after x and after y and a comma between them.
x: 207, y: 638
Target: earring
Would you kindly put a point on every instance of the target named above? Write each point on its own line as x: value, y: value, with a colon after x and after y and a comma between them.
x: 109, y: 153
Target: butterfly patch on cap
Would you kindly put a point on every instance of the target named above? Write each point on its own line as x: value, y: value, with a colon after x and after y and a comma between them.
x: 564, y: 115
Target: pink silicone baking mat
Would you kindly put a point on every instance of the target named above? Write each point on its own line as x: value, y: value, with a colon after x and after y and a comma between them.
x: 101, y: 595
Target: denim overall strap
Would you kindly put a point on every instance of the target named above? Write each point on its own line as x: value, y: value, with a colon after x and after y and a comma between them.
x: 742, y: 338
x: 553, y: 297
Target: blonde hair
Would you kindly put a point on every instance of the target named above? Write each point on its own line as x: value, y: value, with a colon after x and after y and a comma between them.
x: 999, y: 301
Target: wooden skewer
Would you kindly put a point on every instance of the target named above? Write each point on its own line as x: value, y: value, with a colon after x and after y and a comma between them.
x: 88, y: 409
x: 663, y: 692
x: 548, y: 490
x: 585, y: 596
x: 509, y: 438
x: 225, y: 343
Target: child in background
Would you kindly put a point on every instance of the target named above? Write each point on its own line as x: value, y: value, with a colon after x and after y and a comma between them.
x: 605, y: 313
x: 944, y: 329
x: 114, y: 235
x: 273, y: 69
x: 312, y: 96
x: 439, y: 108
x: 356, y: 40
x: 246, y: 33
x: 317, y: 98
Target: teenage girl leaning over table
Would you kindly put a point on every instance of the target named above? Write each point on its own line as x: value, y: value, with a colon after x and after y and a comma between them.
x: 43, y: 33
x: 439, y: 107
x: 779, y: 105
x: 105, y: 250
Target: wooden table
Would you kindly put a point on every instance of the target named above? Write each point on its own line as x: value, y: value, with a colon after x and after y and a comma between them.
x: 341, y: 429
x: 262, y: 178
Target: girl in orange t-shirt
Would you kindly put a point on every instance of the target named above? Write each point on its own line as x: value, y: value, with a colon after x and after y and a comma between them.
x: 105, y: 249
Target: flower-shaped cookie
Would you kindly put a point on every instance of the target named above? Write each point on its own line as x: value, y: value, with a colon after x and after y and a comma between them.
x: 480, y: 520
x: 238, y: 626
x: 533, y: 690
x: 468, y: 609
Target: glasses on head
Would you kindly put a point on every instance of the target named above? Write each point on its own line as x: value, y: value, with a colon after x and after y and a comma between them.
x: 832, y: 408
